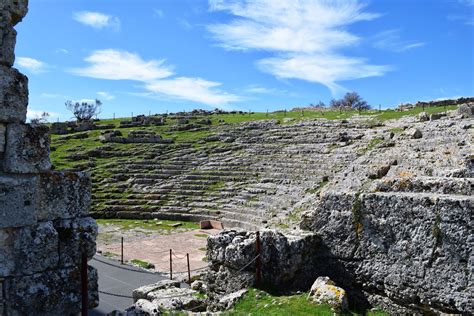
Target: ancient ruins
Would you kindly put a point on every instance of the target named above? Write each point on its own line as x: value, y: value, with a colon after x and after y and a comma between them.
x: 44, y: 224
x: 378, y: 212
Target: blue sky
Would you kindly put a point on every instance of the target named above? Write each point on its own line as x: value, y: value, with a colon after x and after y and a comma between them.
x: 172, y: 55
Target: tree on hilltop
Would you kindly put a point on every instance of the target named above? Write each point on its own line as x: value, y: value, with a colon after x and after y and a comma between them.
x: 352, y: 100
x: 84, y: 111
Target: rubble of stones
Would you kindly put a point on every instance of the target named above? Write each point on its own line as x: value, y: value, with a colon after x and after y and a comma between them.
x: 44, y: 224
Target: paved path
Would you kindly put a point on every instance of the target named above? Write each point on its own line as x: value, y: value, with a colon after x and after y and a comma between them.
x: 120, y: 280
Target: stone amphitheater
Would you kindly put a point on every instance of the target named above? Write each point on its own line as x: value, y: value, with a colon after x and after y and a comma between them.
x: 384, y: 208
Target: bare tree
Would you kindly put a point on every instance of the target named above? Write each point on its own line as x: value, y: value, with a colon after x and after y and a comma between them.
x: 84, y: 111
x: 40, y: 119
x: 352, y: 100
x: 336, y: 104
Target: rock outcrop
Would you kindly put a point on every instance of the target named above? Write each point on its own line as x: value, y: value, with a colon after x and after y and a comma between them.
x: 44, y: 226
x: 393, y: 228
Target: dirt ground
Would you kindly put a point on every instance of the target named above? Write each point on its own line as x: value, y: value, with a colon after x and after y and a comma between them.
x: 155, y: 249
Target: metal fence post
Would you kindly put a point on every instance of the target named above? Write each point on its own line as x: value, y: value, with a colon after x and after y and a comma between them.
x: 171, y: 264
x: 121, y: 251
x: 84, y: 287
x: 258, y: 262
x: 189, y: 269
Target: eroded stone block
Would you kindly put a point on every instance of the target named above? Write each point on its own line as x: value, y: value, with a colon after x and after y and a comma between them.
x: 3, y: 136
x: 29, y: 249
x: 76, y: 237
x: 16, y: 9
x: 64, y: 195
x: 13, y: 95
x: 7, y: 42
x: 17, y: 201
x: 54, y: 292
x: 27, y: 149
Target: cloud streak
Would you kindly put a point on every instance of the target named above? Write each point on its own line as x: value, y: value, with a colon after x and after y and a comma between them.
x: 390, y: 40
x: 157, y: 77
x: 308, y: 33
x: 31, y: 65
x: 97, y: 20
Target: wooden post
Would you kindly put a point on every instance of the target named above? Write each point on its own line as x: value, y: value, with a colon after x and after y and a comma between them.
x: 84, y: 287
x: 121, y: 251
x: 189, y: 269
x: 171, y: 264
x: 258, y: 262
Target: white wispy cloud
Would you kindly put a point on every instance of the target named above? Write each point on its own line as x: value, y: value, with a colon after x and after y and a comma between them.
x: 307, y: 33
x: 62, y: 50
x: 325, y: 69
x: 31, y: 65
x: 193, y: 89
x: 391, y: 40
x: 158, y: 13
x: 51, y: 95
x: 97, y: 20
x: 157, y: 77
x: 105, y: 95
x: 114, y: 64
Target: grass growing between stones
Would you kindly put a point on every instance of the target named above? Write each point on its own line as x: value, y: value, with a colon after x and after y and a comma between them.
x: 129, y: 224
x: 142, y: 264
x: 257, y: 302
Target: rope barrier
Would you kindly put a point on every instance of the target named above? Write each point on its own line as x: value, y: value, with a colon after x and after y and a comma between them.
x: 125, y: 268
x: 159, y: 274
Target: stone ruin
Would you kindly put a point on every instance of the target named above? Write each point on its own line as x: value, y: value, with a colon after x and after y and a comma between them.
x: 44, y: 224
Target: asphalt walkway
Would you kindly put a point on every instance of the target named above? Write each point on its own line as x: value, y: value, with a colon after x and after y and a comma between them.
x: 116, y: 283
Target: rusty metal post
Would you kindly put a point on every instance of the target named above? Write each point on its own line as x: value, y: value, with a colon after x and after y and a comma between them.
x: 84, y: 287
x: 258, y: 262
x: 171, y: 264
x: 121, y: 251
x: 189, y: 269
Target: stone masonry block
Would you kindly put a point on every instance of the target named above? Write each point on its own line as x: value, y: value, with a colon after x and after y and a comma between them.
x: 13, y: 95
x: 75, y: 237
x: 18, y: 199
x: 28, y: 250
x: 52, y: 293
x: 63, y: 195
x: 27, y: 149
x: 3, y: 130
x: 16, y: 9
x: 7, y: 42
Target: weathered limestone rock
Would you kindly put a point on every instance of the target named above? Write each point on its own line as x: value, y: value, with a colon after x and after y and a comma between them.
x: 415, y: 133
x: 63, y: 195
x: 176, y: 299
x: 76, y: 236
x: 53, y: 292
x: 7, y: 41
x: 228, y: 301
x: 466, y: 110
x: 18, y: 200
x: 27, y: 149
x: 17, y: 10
x: 423, y: 117
x: 325, y: 291
x: 13, y: 95
x: 146, y: 307
x: 3, y: 136
x: 142, y: 292
x: 44, y: 228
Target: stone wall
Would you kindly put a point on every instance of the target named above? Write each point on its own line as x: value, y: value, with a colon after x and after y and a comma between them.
x: 44, y: 226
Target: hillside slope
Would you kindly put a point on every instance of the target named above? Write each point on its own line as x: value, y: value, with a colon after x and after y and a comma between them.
x: 248, y: 170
